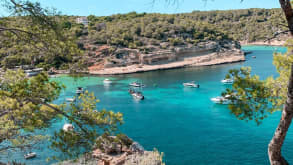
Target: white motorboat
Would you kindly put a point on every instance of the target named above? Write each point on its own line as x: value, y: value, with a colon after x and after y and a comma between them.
x: 70, y: 99
x: 30, y: 155
x: 53, y: 76
x: 191, y: 84
x: 136, y: 84
x: 227, y: 81
x: 79, y: 90
x: 68, y: 127
x: 30, y: 73
x: 33, y: 72
x: 221, y: 100
x: 107, y: 81
x: 136, y: 95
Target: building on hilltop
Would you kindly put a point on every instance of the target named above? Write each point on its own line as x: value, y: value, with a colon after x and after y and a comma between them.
x: 82, y: 20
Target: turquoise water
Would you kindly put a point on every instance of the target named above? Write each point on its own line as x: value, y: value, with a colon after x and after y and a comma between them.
x: 182, y: 122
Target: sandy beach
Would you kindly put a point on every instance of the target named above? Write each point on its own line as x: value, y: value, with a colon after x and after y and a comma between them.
x: 211, y: 59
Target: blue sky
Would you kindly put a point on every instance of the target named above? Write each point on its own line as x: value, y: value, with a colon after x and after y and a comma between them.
x: 109, y: 7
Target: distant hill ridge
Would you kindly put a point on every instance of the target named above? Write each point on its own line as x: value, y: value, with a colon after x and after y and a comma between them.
x: 138, y: 38
x: 242, y: 25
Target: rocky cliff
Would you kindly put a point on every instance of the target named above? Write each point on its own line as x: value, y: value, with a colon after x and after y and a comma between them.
x: 109, y: 60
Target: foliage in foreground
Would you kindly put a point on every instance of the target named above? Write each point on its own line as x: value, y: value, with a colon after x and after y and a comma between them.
x: 253, y: 98
x: 33, y: 35
x: 26, y: 108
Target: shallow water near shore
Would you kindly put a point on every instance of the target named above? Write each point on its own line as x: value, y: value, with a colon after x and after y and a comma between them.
x: 182, y: 122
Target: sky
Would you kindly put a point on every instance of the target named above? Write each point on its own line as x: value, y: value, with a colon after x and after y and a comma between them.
x: 109, y: 7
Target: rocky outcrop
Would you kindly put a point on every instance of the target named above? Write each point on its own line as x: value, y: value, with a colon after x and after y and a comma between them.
x: 145, y: 158
x: 124, y: 60
x: 112, y: 152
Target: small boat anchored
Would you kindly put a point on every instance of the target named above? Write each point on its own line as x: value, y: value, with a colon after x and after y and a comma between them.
x: 30, y: 155
x: 136, y: 84
x: 68, y: 127
x: 33, y: 72
x: 70, y: 99
x: 53, y: 76
x: 107, y: 81
x: 227, y: 81
x: 79, y: 90
x: 221, y: 100
x: 191, y: 84
x: 136, y: 95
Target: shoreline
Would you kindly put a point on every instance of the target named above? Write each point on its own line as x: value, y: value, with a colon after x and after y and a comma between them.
x: 262, y: 43
x: 137, y: 68
x: 215, y: 58
x: 206, y: 60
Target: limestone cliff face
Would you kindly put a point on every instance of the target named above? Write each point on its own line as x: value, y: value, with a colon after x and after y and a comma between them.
x: 108, y: 57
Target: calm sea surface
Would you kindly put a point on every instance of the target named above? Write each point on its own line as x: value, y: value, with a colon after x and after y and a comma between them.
x: 182, y: 122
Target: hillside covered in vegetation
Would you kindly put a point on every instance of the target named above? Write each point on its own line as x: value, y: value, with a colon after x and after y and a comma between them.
x: 129, y: 29
x: 104, y: 37
x: 110, y: 40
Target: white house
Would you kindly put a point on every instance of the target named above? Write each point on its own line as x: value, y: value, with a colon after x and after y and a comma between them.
x: 82, y: 20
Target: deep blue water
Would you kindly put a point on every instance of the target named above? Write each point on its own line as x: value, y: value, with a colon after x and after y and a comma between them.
x: 183, y: 123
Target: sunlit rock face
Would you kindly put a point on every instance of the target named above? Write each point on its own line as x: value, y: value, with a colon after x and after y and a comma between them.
x: 108, y: 57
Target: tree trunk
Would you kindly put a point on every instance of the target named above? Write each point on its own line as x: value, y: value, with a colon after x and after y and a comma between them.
x: 276, y: 143
x: 275, y: 146
x: 287, y: 9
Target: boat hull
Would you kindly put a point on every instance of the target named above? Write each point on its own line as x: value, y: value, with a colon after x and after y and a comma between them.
x: 227, y: 81
x: 220, y: 100
x: 190, y: 85
x: 30, y: 155
x: 137, y: 85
